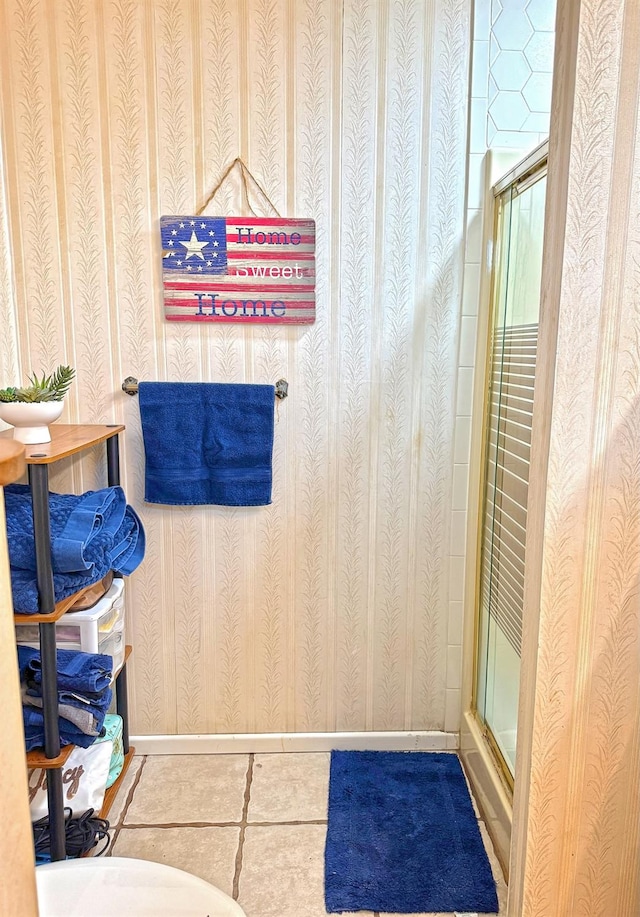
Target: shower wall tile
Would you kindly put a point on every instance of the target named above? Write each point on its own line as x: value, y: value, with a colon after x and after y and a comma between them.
x: 460, y: 483
x: 454, y: 666
x: 473, y: 252
x: 330, y: 608
x: 456, y: 578
x: 478, y: 126
x: 468, y: 336
x: 462, y: 440
x: 472, y: 274
x: 481, y: 19
x: 475, y: 187
x: 480, y: 72
x: 453, y: 710
x: 464, y: 402
x: 458, y: 532
x: 454, y: 635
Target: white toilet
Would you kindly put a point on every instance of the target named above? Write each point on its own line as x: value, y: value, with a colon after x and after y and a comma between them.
x: 123, y: 887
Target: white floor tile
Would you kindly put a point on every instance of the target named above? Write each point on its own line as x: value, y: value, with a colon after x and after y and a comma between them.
x: 181, y: 789
x: 289, y: 787
x: 209, y: 853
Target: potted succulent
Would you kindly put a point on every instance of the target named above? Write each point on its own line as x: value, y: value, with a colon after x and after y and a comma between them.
x: 30, y: 409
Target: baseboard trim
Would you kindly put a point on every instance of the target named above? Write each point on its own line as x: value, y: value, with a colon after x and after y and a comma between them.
x: 294, y: 741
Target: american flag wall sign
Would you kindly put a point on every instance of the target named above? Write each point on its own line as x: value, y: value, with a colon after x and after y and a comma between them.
x: 238, y: 269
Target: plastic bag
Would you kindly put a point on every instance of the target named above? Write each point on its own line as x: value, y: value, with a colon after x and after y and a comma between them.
x: 84, y: 780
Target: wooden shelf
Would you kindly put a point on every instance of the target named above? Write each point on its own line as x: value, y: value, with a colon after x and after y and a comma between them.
x: 112, y: 792
x: 37, y: 758
x: 60, y: 609
x: 11, y: 461
x: 67, y: 439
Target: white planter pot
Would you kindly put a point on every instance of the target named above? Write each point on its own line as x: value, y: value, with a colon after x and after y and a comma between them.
x: 31, y: 419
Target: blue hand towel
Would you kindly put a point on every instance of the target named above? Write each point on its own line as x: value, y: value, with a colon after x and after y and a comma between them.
x: 207, y: 443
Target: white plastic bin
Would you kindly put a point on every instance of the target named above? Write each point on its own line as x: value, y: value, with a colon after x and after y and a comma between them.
x: 99, y: 629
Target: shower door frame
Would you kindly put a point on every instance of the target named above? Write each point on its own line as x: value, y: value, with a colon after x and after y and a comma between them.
x: 488, y: 773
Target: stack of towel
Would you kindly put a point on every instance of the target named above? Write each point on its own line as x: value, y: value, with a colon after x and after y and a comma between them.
x: 84, y: 695
x: 91, y: 534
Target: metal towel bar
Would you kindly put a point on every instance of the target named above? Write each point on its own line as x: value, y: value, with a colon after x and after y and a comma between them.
x: 130, y: 386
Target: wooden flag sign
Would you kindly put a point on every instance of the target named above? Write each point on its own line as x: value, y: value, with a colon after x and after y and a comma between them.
x: 238, y: 269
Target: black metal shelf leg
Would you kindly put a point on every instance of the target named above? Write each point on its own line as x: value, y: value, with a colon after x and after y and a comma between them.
x: 39, y: 483
x: 113, y: 461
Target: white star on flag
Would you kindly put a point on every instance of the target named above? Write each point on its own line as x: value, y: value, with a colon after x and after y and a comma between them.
x: 194, y: 247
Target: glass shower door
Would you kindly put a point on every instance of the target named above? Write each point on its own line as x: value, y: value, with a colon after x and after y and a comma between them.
x: 509, y: 408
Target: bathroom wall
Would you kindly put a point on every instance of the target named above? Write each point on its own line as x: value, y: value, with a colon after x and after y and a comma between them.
x: 576, y: 824
x: 330, y: 609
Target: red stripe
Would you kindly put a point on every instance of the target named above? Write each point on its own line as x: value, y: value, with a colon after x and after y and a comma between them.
x: 308, y: 241
x: 265, y: 221
x: 190, y: 304
x: 240, y: 287
x: 241, y: 250
x: 252, y: 321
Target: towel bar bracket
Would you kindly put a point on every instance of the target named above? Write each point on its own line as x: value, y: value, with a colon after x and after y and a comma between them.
x: 130, y: 386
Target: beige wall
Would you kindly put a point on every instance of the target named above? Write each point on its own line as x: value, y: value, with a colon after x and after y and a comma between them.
x: 576, y: 850
x: 331, y: 608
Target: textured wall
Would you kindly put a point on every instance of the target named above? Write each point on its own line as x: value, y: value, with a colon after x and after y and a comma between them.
x: 577, y: 802
x: 329, y: 609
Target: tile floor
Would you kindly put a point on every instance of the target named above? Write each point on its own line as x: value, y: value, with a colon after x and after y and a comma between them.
x: 253, y: 825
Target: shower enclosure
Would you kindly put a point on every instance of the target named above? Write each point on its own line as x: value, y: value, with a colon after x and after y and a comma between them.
x: 511, y: 367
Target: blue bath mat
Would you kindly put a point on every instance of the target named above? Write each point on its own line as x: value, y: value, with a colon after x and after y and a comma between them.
x: 403, y: 836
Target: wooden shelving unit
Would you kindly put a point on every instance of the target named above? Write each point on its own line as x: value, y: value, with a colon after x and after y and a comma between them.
x: 37, y: 758
x: 66, y: 440
x: 60, y: 609
x: 112, y: 792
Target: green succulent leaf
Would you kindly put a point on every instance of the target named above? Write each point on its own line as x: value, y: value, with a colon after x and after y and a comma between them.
x: 47, y: 388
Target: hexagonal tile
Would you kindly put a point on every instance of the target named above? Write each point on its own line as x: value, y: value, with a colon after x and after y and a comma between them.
x: 537, y: 92
x: 491, y: 131
x: 537, y: 121
x: 522, y: 141
x: 512, y: 30
x: 493, y: 89
x: 539, y: 51
x: 542, y: 15
x: 518, y: 5
x: 509, y: 111
x: 510, y: 70
x: 496, y: 9
x: 494, y: 48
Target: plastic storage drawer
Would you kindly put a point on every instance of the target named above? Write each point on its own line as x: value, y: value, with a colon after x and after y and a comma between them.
x: 87, y: 630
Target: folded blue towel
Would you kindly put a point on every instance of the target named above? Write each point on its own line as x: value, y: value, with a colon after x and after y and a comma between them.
x: 82, y: 673
x: 207, y: 443
x: 91, y: 534
x: 33, y: 721
x: 83, y: 680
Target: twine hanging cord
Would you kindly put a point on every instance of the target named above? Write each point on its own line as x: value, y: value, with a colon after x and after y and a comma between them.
x: 244, y: 174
